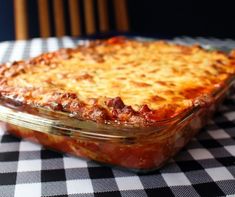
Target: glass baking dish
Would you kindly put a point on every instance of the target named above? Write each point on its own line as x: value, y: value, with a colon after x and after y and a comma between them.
x: 137, y: 149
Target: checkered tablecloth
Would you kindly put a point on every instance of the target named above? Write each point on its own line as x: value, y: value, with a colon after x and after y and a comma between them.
x: 205, y: 167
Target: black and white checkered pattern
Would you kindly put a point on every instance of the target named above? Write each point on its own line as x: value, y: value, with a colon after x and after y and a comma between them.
x: 206, y: 167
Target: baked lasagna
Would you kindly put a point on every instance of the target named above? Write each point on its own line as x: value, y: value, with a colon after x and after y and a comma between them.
x: 118, y: 80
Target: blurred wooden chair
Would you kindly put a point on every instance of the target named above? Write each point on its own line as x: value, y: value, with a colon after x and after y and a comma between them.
x: 120, y: 13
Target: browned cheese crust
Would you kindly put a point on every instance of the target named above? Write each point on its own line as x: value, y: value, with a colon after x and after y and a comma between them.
x: 118, y: 80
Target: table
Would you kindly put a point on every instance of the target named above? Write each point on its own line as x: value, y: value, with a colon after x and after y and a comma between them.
x: 206, y: 167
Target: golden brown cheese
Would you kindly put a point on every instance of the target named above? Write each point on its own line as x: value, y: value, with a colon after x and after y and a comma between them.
x: 118, y: 79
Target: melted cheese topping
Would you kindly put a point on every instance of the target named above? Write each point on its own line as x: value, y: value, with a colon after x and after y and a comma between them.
x: 154, y: 73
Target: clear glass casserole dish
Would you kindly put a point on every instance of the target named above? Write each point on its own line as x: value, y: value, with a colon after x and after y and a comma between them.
x: 141, y: 150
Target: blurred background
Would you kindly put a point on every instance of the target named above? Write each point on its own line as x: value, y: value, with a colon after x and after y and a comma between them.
x: 155, y: 18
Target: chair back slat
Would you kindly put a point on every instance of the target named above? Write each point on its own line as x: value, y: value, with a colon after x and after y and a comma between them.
x: 78, y: 20
x: 44, y: 24
x: 21, y: 26
x: 103, y: 15
x: 121, y: 15
x: 89, y: 16
x: 75, y: 19
x: 59, y: 18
